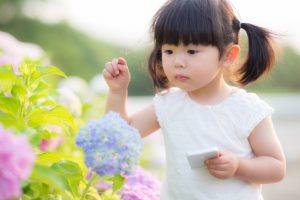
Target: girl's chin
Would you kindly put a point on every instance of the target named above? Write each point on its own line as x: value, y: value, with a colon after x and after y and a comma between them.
x: 184, y: 88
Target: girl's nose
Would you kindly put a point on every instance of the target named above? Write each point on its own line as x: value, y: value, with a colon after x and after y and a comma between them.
x: 179, y: 62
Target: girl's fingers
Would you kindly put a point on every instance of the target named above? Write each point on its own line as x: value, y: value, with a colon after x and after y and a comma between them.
x: 122, y: 65
x: 114, y: 64
x: 106, y: 74
x: 122, y: 61
x: 218, y: 174
x: 115, y: 68
x: 221, y: 167
x: 215, y: 161
x: 109, y: 69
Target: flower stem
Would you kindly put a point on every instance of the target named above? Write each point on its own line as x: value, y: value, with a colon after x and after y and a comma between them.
x: 91, y: 182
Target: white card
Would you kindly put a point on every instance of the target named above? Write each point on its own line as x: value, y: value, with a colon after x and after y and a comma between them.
x: 196, y: 158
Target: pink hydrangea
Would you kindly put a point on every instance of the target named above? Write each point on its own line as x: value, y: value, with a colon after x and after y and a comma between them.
x: 140, y: 185
x: 16, y: 160
x: 13, y: 51
x: 51, y: 144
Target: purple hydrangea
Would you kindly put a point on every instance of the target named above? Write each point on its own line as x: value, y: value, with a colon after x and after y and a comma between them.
x: 110, y: 144
x: 16, y: 160
x: 140, y: 185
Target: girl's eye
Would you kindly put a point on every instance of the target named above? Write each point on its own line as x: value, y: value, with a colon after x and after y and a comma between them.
x: 192, y: 51
x: 168, y: 51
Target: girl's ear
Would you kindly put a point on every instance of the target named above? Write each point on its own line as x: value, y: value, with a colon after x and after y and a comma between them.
x: 231, y: 54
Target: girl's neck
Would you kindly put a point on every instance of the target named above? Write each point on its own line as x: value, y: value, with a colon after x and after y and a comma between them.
x: 213, y: 93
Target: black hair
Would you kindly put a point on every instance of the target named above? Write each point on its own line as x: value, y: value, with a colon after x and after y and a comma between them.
x: 208, y: 22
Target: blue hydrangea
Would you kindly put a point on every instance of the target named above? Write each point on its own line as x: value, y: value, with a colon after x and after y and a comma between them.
x: 110, y: 145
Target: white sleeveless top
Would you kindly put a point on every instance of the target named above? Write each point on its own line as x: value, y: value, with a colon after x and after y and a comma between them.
x: 189, y: 126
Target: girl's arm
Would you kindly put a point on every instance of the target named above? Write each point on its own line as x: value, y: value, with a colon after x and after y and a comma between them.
x: 145, y: 120
x: 267, y: 166
x: 117, y: 77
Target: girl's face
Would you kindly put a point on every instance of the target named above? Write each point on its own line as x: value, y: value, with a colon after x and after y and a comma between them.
x: 190, y: 67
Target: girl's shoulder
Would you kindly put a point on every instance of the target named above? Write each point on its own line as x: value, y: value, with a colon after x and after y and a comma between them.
x: 247, y: 99
x: 247, y: 109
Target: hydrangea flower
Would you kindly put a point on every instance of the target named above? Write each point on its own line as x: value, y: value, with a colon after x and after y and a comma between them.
x: 16, y: 160
x: 110, y: 144
x: 69, y: 99
x: 51, y: 144
x: 140, y: 185
x: 14, y: 51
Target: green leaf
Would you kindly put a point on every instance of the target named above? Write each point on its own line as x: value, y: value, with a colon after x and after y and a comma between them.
x: 72, y: 172
x: 74, y: 184
x: 49, y: 157
x: 48, y: 103
x: 108, y: 195
x: 27, y: 69
x: 7, y: 119
x: 34, y: 139
x: 18, y: 91
x: 42, y: 71
x: 7, y: 78
x: 51, y: 70
x: 118, y: 182
x: 49, y: 176
x: 53, y: 157
x: 9, y: 105
x: 59, y: 116
x: 26, y: 197
x: 6, y: 69
x: 41, y: 91
x: 94, y: 196
x: 36, y: 188
x: 67, y: 168
x: 45, y: 133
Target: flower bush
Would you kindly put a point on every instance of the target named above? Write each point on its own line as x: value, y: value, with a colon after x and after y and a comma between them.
x: 28, y: 108
x: 45, y: 155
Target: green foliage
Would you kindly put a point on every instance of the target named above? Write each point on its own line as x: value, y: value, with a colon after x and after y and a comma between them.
x: 23, y: 98
x: 28, y: 107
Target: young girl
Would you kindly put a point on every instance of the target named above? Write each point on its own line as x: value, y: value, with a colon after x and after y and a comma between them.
x: 195, y: 43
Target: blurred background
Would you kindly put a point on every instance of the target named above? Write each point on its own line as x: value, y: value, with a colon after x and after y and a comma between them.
x: 80, y: 36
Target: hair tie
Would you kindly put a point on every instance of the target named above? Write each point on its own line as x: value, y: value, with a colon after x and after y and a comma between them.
x: 237, y: 25
x: 240, y: 25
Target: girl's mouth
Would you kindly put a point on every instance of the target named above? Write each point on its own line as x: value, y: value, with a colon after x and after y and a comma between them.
x: 181, y: 77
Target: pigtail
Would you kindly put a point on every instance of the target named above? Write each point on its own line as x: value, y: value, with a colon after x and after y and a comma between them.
x: 261, y: 54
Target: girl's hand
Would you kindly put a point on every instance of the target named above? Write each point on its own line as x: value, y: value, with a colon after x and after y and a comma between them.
x: 116, y: 75
x: 224, y: 166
